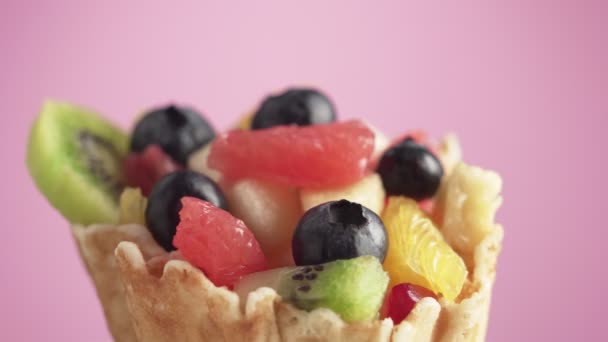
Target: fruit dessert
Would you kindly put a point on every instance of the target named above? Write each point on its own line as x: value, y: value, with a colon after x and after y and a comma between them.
x: 292, y: 225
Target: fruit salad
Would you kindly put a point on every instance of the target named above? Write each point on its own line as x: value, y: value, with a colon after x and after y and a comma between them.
x: 328, y: 218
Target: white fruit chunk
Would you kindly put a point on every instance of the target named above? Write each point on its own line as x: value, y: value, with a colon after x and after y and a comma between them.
x: 198, y: 162
x: 368, y: 192
x: 271, y: 212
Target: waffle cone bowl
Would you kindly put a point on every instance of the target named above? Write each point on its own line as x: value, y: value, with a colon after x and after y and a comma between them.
x: 149, y: 295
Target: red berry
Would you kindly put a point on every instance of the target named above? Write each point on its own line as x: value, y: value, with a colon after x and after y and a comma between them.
x: 217, y: 242
x: 401, y: 301
x: 310, y: 156
x: 427, y: 205
x: 144, y: 169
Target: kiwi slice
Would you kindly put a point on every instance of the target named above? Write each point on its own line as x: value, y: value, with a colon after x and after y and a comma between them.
x: 75, y: 158
x: 352, y: 288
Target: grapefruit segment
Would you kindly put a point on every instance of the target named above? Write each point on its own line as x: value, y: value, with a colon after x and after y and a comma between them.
x: 217, y: 242
x: 318, y: 156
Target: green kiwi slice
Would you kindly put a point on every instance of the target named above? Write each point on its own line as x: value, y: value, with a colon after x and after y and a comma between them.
x: 353, y: 288
x: 75, y: 158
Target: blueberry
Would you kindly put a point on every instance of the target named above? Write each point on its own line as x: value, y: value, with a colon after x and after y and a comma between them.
x: 338, y: 230
x: 410, y: 169
x: 164, y: 203
x: 298, y: 106
x: 179, y: 131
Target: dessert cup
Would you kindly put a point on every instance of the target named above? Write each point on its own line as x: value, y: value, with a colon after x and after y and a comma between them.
x: 171, y: 300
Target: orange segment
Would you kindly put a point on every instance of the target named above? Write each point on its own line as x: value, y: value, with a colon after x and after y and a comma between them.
x: 417, y: 253
x: 244, y: 122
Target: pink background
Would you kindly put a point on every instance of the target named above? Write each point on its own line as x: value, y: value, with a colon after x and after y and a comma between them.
x: 524, y: 84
